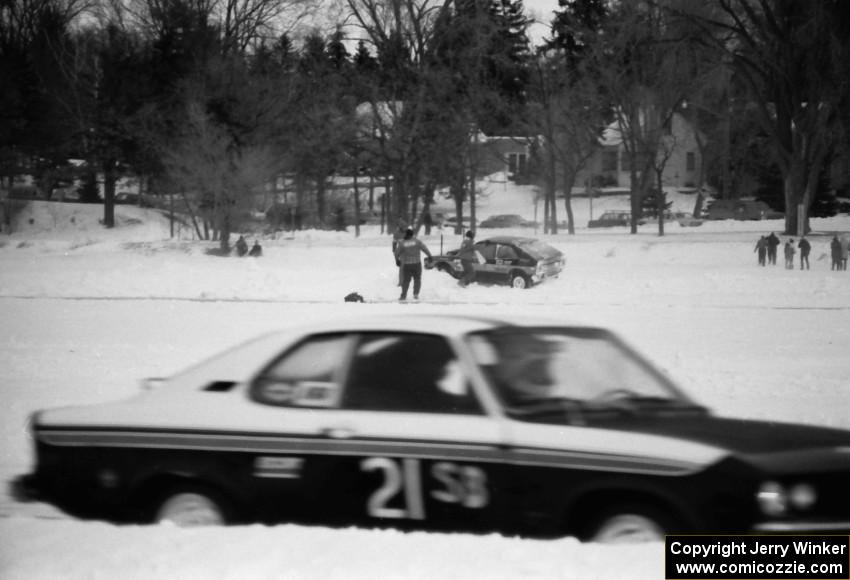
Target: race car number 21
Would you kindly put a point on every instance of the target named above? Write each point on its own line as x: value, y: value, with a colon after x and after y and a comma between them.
x: 465, y: 485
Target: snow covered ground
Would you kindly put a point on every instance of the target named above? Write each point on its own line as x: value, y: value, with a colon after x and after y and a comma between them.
x: 86, y: 313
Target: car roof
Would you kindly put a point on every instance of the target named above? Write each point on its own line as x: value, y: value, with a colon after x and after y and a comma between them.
x: 454, y: 324
x: 509, y: 239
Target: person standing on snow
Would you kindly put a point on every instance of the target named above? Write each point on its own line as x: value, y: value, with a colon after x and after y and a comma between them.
x: 805, y: 248
x: 241, y: 246
x: 845, y: 251
x: 468, y: 258
x: 789, y: 254
x: 772, y: 245
x: 398, y: 236
x: 761, y: 248
x: 835, y: 250
x: 408, y: 253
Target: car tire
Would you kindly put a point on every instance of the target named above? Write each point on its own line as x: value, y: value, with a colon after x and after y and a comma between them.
x: 190, y: 506
x: 520, y: 281
x: 629, y: 524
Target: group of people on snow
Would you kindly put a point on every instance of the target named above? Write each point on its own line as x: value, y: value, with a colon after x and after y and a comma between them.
x: 767, y: 249
x: 242, y: 248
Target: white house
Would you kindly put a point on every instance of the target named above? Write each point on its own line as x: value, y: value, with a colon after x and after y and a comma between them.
x: 609, y: 166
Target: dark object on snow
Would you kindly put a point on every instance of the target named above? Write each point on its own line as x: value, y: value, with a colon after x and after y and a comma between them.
x: 354, y: 297
x: 256, y: 250
x: 241, y: 246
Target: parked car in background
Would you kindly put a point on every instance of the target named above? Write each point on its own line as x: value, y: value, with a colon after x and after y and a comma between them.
x: 741, y: 209
x: 25, y: 192
x: 454, y: 423
x: 450, y: 222
x: 517, y: 261
x: 127, y: 198
x: 684, y: 219
x: 611, y: 218
x: 507, y: 221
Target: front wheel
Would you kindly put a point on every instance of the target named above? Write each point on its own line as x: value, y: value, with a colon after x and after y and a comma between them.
x: 520, y: 281
x: 630, y: 525
x: 190, y: 507
x: 448, y: 270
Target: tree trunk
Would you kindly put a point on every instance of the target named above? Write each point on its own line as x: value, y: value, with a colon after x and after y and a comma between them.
x: 660, y: 203
x: 109, y: 178
x: 635, y: 197
x: 569, y: 180
x: 457, y: 196
x: 320, y: 201
x: 224, y: 232
x: 791, y: 201
x: 356, y: 206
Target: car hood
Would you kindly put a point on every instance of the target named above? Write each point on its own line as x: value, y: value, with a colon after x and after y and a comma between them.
x: 696, y: 437
x: 738, y: 436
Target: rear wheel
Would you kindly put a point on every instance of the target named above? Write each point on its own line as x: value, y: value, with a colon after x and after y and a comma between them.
x: 190, y: 506
x: 520, y: 280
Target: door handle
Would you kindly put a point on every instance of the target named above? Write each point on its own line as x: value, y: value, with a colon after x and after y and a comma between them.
x: 338, y: 432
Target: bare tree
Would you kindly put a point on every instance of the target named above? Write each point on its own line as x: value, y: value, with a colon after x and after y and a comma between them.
x: 567, y: 114
x: 645, y: 64
x: 790, y: 54
x: 215, y: 175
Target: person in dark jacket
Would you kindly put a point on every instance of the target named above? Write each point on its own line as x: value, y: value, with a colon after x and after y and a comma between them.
x: 241, y: 246
x: 805, y: 248
x: 761, y: 248
x: 835, y: 249
x: 772, y: 246
x: 256, y: 250
x: 468, y: 259
x: 398, y: 236
x: 789, y: 254
x: 408, y: 253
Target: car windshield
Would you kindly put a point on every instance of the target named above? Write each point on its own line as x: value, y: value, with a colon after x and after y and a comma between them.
x: 583, y: 368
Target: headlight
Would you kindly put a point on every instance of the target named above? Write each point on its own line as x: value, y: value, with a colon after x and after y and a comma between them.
x: 772, y: 499
x: 802, y: 496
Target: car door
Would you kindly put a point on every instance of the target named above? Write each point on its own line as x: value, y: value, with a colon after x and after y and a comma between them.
x: 416, y: 447
x: 295, y: 397
x: 488, y: 272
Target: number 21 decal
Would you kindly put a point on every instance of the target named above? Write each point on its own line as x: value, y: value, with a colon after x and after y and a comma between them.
x: 461, y: 484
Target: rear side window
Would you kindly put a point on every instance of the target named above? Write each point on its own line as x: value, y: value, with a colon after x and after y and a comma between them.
x: 408, y: 372
x: 487, y: 250
x: 506, y: 253
x: 308, y: 375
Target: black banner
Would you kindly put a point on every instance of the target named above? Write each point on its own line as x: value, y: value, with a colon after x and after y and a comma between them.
x: 757, y: 557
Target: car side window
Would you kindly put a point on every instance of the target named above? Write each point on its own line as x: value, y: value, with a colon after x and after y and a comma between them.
x: 408, y: 372
x: 307, y: 375
x: 506, y: 253
x: 488, y: 251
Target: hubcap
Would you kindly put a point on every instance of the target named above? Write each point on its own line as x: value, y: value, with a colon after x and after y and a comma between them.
x: 629, y: 529
x: 190, y: 510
